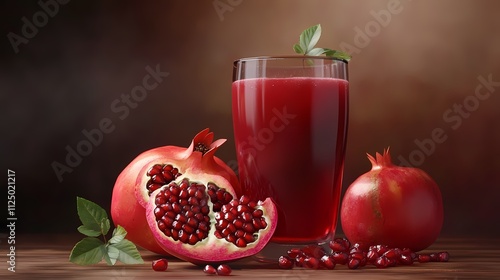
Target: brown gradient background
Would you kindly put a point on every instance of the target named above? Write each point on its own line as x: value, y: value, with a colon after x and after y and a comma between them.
x: 426, y: 60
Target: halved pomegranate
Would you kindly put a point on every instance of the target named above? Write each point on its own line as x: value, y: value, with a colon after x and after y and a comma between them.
x: 160, y: 166
x: 205, y: 224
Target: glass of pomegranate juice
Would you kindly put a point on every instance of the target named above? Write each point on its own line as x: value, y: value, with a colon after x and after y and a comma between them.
x: 290, y: 118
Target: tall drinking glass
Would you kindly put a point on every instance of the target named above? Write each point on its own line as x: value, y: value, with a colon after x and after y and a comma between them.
x: 290, y: 118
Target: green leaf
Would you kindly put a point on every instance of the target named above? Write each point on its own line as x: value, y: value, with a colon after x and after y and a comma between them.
x: 298, y: 49
x: 119, y: 234
x: 316, y: 51
x: 128, y: 253
x: 337, y: 54
x: 309, y: 38
x: 105, y: 225
x: 93, y: 216
x: 88, y: 251
x: 88, y: 232
x: 111, y: 255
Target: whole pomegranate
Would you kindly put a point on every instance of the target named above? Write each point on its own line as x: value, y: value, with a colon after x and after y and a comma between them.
x: 392, y: 205
x: 160, y: 166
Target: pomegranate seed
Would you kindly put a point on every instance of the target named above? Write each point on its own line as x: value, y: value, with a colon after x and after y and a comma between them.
x: 392, y: 253
x: 285, y: 262
x: 200, y: 234
x: 224, y: 270
x: 257, y: 213
x: 208, y: 269
x: 353, y: 263
x: 434, y: 257
x: 193, y: 239
x: 340, y: 245
x: 424, y: 258
x: 159, y: 212
x: 406, y: 259
x: 240, y: 242
x: 160, y: 265
x: 231, y: 238
x: 311, y: 262
x: 188, y: 229
x: 357, y: 255
x: 244, y: 200
x: 443, y: 256
x: 327, y: 262
x: 263, y: 223
x: 239, y: 233
x: 238, y: 223
x: 294, y: 252
x: 248, y: 237
x: 248, y: 227
x: 381, y: 249
x: 340, y: 258
x: 229, y: 217
x: 381, y: 262
x: 155, y: 169
x: 227, y: 197
x: 372, y: 256
x: 299, y: 260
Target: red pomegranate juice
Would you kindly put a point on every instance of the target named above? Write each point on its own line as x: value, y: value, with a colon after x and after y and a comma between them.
x: 290, y: 138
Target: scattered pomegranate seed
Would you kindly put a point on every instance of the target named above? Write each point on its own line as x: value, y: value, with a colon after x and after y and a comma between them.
x: 327, y: 262
x: 353, y: 263
x: 285, y: 262
x: 208, y: 269
x: 444, y: 256
x: 424, y: 258
x: 160, y: 265
x: 354, y: 256
x: 340, y: 245
x: 224, y: 270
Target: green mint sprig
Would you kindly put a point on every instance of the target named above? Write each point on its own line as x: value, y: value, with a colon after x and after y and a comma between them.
x: 308, y: 40
x: 91, y: 250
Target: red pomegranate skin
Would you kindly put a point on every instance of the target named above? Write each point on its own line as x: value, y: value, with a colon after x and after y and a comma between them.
x: 392, y: 205
x: 126, y: 211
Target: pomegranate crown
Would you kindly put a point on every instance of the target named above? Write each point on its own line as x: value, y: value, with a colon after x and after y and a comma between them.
x: 203, y: 143
x: 380, y: 160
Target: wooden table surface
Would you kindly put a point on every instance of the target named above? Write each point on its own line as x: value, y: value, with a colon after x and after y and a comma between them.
x: 46, y: 257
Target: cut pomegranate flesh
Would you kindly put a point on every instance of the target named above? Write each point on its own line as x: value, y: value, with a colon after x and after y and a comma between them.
x: 204, y: 223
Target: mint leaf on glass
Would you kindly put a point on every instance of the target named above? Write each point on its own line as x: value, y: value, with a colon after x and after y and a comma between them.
x: 308, y: 40
x: 92, y: 250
